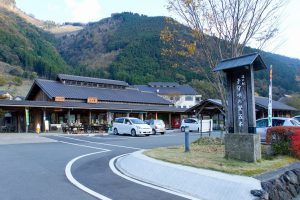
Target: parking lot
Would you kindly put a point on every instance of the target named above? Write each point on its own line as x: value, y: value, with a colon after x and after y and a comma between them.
x: 67, y: 166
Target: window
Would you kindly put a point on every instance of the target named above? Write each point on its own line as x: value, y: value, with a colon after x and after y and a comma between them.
x: 119, y: 120
x: 189, y: 98
x: 127, y: 121
x: 261, y: 123
x: 277, y: 122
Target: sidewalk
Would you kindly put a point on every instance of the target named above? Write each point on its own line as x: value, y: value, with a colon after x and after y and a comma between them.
x: 198, y: 183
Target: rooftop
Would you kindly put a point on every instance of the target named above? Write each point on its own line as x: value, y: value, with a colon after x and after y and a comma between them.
x: 242, y: 61
x: 62, y: 77
x: 167, y: 88
x: 54, y: 89
x: 99, y: 106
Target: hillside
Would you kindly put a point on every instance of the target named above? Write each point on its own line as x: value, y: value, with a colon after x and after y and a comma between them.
x: 25, y: 45
x: 127, y: 47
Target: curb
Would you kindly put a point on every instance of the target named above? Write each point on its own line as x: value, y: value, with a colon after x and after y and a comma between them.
x: 113, y: 163
x: 193, y: 182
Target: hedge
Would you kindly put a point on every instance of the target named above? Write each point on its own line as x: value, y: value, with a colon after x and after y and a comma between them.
x: 284, y: 140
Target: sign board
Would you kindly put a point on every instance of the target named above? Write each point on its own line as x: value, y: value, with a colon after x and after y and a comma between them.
x: 59, y: 99
x: 240, y: 106
x: 92, y: 100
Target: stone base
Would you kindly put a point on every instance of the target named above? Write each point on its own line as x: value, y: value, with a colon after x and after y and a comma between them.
x: 245, y: 147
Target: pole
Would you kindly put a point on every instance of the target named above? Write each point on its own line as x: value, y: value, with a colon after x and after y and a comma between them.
x: 186, y: 139
x: 26, y: 119
x: 270, y: 99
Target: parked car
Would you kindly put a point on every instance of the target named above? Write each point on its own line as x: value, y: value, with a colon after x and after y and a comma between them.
x: 192, y: 123
x: 262, y: 124
x: 130, y: 125
x: 157, y: 125
x: 297, y: 118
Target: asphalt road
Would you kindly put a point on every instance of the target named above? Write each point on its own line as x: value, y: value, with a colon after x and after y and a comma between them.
x: 37, y: 171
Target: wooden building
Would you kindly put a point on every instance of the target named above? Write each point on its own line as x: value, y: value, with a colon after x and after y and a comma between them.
x: 84, y: 100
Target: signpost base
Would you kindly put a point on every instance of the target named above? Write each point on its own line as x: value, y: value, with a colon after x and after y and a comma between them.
x: 245, y: 147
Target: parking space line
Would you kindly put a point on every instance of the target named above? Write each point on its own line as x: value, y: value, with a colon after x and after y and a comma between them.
x: 105, y: 144
x: 83, y: 145
x: 70, y: 177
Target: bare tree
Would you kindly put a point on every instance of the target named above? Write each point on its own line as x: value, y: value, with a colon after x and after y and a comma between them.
x: 222, y: 29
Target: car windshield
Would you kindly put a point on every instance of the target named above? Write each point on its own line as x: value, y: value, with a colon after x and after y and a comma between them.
x: 295, y: 123
x: 137, y: 121
x: 159, y: 122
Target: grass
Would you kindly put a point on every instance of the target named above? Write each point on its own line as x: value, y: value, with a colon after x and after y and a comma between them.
x: 209, y: 154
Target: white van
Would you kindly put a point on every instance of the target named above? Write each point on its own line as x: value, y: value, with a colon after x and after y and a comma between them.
x: 130, y: 125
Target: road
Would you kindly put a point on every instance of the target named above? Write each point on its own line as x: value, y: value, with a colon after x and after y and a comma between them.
x: 37, y: 171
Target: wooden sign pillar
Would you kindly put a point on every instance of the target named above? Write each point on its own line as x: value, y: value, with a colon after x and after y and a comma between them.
x: 241, y: 141
x: 241, y: 103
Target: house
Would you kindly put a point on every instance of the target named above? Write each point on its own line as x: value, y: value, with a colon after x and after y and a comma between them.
x: 182, y: 96
x: 213, y: 109
x: 86, y: 100
x: 5, y: 95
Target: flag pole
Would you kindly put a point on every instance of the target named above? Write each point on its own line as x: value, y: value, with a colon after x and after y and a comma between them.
x: 270, y: 99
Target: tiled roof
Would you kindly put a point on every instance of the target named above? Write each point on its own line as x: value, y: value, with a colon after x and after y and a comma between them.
x: 179, y: 89
x: 163, y: 84
x: 55, y: 88
x: 3, y: 92
x: 259, y: 101
x: 276, y: 105
x: 90, y: 80
x: 242, y: 61
x: 99, y: 106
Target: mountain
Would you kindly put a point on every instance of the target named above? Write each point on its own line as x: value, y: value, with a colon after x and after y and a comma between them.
x: 127, y: 47
x: 25, y: 45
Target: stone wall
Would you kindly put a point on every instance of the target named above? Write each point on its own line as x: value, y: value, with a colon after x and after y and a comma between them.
x: 284, y: 187
x: 244, y: 147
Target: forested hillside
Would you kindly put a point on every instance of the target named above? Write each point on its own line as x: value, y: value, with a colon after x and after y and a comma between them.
x: 25, y: 45
x: 128, y: 47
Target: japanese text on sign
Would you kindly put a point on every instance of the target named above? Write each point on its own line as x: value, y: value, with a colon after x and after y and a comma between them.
x: 240, y: 84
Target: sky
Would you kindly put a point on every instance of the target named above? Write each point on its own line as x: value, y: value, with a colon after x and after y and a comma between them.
x: 286, y: 43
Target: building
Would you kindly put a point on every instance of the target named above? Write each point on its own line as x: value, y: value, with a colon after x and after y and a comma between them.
x: 5, y: 95
x: 85, y: 100
x: 182, y: 96
x: 213, y: 109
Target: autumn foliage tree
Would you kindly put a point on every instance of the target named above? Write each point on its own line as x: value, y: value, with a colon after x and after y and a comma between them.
x: 220, y: 29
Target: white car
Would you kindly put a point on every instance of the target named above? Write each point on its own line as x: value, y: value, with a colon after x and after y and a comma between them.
x: 130, y: 125
x: 192, y: 123
x: 262, y: 124
x: 157, y: 125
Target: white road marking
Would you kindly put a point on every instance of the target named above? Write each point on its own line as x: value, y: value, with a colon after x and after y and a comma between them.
x: 79, y: 185
x: 83, y: 145
x: 117, y: 172
x: 105, y: 144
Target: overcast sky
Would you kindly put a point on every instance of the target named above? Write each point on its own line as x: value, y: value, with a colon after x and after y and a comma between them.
x: 286, y: 43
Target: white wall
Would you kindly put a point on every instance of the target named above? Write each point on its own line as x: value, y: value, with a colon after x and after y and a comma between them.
x: 183, y: 101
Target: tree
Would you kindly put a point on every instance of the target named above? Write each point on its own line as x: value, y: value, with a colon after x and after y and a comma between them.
x: 220, y: 29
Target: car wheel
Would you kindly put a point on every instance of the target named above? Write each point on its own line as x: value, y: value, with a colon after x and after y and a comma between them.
x: 182, y: 129
x: 154, y: 131
x: 162, y: 133
x: 133, y: 132
x: 116, y: 131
